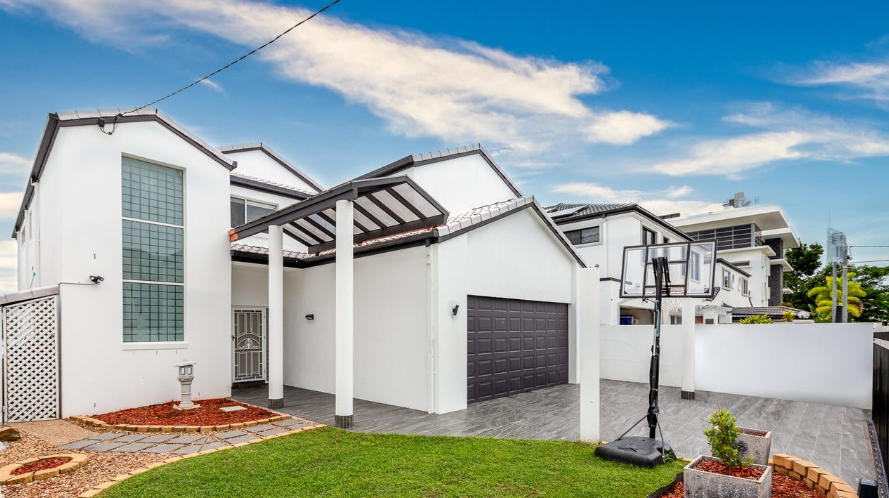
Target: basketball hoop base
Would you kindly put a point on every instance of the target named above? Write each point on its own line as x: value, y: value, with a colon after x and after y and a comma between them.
x: 638, y: 451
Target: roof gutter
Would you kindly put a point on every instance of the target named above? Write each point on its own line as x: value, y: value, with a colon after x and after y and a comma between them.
x: 629, y: 209
x: 49, y: 137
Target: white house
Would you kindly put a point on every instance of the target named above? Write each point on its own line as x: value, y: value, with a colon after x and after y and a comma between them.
x: 409, y: 285
x: 600, y: 232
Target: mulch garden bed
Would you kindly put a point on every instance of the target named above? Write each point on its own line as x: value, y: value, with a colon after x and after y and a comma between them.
x: 208, y: 414
x: 46, y: 463
x: 748, y: 472
x: 782, y: 487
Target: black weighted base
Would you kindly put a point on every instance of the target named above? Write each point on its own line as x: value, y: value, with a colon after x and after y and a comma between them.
x: 639, y: 451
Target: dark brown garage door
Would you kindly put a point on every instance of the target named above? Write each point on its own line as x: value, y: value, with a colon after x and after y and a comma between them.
x: 514, y: 346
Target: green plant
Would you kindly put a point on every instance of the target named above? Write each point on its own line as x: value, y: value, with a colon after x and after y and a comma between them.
x: 756, y: 319
x: 823, y: 300
x: 788, y: 315
x: 722, y: 436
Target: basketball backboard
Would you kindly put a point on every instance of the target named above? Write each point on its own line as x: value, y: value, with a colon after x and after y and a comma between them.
x: 692, y: 267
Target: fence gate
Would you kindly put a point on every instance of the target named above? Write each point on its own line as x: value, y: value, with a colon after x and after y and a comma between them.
x: 31, y: 364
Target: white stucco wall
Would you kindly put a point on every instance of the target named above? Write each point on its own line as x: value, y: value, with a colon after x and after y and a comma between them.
x: 759, y: 271
x: 259, y: 164
x: 485, y: 262
x: 391, y: 326
x: 460, y: 184
x: 626, y: 353
x: 81, y: 232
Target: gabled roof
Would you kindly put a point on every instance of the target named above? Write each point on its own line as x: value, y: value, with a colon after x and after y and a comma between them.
x: 442, y: 155
x: 771, y: 311
x: 455, y: 225
x: 260, y: 146
x: 108, y: 119
x: 271, y: 187
x: 564, y: 213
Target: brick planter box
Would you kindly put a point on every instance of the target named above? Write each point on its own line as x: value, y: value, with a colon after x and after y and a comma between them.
x: 76, y: 461
x: 701, y: 484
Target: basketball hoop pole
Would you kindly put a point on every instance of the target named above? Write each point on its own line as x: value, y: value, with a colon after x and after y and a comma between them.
x: 662, y: 288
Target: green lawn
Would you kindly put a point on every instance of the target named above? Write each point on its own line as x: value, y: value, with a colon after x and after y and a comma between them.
x: 331, y: 462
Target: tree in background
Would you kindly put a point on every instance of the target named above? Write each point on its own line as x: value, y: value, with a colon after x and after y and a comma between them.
x: 805, y: 260
x: 824, y: 303
x: 873, y: 280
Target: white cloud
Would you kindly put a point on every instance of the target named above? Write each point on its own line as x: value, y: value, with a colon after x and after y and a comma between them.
x: 662, y: 202
x: 8, y: 254
x: 9, y: 205
x: 868, y: 79
x: 456, y: 90
x: 13, y: 164
x: 213, y: 85
x: 782, y: 135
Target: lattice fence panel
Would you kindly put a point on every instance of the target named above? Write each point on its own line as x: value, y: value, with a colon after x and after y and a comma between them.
x: 31, y: 374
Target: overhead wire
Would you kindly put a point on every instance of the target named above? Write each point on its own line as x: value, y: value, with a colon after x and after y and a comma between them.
x: 214, y: 73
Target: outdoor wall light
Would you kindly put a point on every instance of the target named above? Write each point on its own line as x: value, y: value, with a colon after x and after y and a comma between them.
x: 456, y: 307
x: 310, y: 317
x: 97, y: 279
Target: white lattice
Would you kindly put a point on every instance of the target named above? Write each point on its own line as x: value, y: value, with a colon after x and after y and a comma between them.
x: 31, y: 373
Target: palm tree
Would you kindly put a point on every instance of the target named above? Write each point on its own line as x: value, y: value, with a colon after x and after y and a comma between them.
x: 823, y: 301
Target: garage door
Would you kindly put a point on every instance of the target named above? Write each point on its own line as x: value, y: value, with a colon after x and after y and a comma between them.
x: 514, y: 346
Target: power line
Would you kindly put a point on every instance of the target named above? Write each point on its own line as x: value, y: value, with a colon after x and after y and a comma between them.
x: 869, y: 261
x: 223, y: 68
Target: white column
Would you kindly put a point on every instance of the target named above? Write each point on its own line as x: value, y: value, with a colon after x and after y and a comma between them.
x: 276, y: 317
x: 344, y: 314
x: 688, y: 349
x: 588, y: 333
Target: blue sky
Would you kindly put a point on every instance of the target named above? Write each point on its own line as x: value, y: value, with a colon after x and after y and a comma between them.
x: 678, y: 106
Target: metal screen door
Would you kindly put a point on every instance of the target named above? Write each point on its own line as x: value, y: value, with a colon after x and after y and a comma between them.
x: 248, y: 337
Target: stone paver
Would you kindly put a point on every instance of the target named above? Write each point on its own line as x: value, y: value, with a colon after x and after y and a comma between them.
x: 158, y: 438
x: 272, y: 432
x: 241, y: 439
x: 105, y: 436
x: 188, y: 450
x: 54, y: 432
x: 78, y: 445
x: 104, y: 446
x: 212, y: 446
x: 163, y: 448
x: 291, y: 422
x: 187, y: 440
x: 259, y: 428
x: 133, y: 447
x: 131, y: 438
x: 231, y: 434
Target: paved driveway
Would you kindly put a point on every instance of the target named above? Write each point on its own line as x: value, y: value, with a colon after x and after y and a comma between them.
x: 835, y: 438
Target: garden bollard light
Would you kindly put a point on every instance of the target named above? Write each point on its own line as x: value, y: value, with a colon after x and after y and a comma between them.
x: 186, y: 376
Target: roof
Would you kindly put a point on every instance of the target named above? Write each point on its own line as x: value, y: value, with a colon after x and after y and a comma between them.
x: 769, y: 218
x: 771, y: 311
x: 564, y: 213
x: 733, y: 266
x: 256, y: 183
x: 109, y: 118
x: 442, y: 155
x: 261, y: 146
x: 455, y: 225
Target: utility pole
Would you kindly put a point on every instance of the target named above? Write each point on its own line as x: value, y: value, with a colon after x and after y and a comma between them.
x: 833, y: 293
x: 845, y: 284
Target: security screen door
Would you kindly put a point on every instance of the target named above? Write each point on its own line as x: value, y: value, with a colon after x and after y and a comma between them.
x: 249, y: 342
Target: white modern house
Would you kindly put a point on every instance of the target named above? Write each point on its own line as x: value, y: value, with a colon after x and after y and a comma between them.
x: 600, y: 232
x: 403, y: 286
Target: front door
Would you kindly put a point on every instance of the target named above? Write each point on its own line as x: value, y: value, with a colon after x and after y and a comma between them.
x: 249, y: 343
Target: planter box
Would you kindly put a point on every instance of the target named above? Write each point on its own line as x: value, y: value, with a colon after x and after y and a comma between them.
x: 701, y: 484
x: 756, y: 444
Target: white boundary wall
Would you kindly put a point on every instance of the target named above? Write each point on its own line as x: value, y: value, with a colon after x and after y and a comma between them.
x: 823, y: 363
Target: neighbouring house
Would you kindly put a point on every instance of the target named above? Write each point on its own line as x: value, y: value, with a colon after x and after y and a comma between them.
x: 410, y: 285
x: 600, y: 232
x: 751, y: 237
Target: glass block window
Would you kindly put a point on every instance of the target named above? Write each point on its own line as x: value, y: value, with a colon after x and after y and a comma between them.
x: 153, y: 252
x: 151, y: 192
x: 153, y: 312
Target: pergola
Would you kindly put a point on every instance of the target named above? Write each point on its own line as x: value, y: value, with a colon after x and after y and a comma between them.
x: 353, y: 212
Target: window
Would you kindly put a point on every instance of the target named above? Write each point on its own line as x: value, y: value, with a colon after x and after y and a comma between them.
x: 745, y: 287
x: 694, y: 262
x: 741, y: 264
x: 153, y: 253
x: 243, y: 210
x: 649, y: 237
x: 666, y: 240
x: 584, y: 236
x: 727, y: 279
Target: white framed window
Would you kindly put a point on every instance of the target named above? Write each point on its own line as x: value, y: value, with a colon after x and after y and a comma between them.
x: 727, y: 279
x: 583, y: 236
x: 243, y: 210
x: 745, y: 287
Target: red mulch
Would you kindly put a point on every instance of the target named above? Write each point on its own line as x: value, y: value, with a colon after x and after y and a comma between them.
x: 46, y: 463
x: 782, y: 487
x: 207, y: 414
x: 749, y: 472
x: 753, y: 432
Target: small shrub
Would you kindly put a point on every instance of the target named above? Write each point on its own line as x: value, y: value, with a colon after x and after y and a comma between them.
x: 788, y: 316
x: 756, y: 319
x: 722, y: 436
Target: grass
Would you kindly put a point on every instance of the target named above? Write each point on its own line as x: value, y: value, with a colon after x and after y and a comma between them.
x: 331, y: 462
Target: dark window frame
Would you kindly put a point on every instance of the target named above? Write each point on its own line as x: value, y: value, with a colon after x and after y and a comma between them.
x: 576, y: 237
x: 246, y: 204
